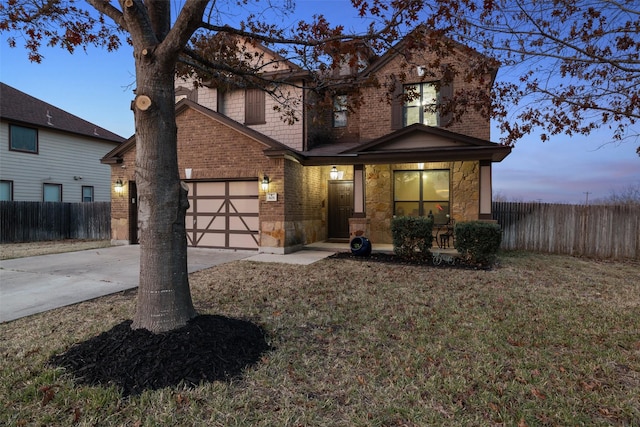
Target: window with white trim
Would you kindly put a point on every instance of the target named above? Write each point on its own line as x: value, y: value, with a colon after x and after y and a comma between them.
x: 87, y: 193
x: 340, y: 111
x: 420, y: 106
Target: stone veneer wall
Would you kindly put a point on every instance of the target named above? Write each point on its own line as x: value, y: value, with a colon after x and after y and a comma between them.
x: 465, y: 194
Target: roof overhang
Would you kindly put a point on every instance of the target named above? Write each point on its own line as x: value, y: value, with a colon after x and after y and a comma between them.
x: 415, y: 143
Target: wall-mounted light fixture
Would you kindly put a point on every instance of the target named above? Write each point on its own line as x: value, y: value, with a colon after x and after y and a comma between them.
x: 187, y: 173
x: 421, y: 166
x: 118, y: 186
x: 265, y: 183
x: 334, y: 173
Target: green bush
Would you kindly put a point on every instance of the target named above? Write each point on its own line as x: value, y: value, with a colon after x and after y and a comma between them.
x: 478, y: 242
x: 412, y: 236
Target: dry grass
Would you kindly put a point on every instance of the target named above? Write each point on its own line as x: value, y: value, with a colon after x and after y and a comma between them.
x: 540, y: 340
x: 20, y: 250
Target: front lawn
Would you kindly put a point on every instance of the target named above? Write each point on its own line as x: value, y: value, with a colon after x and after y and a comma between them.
x: 538, y: 340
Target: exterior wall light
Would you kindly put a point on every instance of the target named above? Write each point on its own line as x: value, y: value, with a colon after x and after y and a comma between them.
x: 265, y: 183
x: 334, y: 173
x: 118, y: 187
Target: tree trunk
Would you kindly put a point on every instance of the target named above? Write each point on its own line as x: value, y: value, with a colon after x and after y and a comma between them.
x: 164, y: 299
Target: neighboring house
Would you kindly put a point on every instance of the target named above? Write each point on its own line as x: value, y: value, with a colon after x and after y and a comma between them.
x: 50, y: 155
x: 257, y: 182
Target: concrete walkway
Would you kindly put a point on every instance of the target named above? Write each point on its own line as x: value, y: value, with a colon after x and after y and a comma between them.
x: 41, y: 283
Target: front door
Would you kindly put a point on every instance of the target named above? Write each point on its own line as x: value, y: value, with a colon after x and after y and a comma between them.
x: 340, y: 208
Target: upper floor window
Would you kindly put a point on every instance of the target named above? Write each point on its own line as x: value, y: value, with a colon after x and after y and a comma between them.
x: 6, y: 190
x: 23, y: 139
x: 420, y: 103
x: 422, y: 193
x: 340, y: 111
x: 87, y: 193
x: 420, y: 106
x: 51, y: 192
x: 254, y: 106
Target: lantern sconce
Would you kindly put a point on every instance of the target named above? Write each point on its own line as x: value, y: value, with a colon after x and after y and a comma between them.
x: 265, y: 183
x: 118, y: 186
x: 334, y: 173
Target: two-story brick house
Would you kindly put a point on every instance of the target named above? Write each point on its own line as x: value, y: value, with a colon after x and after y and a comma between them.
x: 259, y: 182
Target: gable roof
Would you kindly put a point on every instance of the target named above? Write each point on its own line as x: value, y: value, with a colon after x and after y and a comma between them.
x: 115, y: 155
x: 17, y: 106
x: 407, y: 43
x: 415, y: 143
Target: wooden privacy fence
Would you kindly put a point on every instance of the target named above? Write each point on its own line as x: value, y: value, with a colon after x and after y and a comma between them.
x: 41, y: 221
x: 595, y: 231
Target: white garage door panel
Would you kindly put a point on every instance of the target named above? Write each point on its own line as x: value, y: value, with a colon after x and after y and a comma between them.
x: 243, y: 223
x: 223, y: 214
x: 244, y: 205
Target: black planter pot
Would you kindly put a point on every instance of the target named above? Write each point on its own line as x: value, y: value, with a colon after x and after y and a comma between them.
x: 360, y: 246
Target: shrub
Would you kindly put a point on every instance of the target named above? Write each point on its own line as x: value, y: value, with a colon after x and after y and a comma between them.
x: 478, y: 242
x: 412, y: 236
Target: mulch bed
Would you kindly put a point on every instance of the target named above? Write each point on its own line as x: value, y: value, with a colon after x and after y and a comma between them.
x: 209, y: 348
x: 389, y: 258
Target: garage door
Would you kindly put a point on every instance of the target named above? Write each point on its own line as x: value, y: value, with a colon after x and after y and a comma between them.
x: 223, y: 214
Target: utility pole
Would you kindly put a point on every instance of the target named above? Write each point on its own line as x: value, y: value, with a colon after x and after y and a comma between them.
x: 586, y: 202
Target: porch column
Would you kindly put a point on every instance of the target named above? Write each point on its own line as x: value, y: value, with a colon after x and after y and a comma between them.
x: 485, y: 190
x: 358, y: 223
x: 358, y: 191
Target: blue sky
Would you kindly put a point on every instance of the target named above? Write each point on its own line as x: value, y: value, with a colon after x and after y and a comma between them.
x: 97, y: 86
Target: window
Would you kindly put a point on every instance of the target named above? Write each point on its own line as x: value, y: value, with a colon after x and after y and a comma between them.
x: 421, y: 193
x: 340, y: 111
x: 421, y: 106
x: 418, y: 103
x: 23, y: 139
x: 6, y: 190
x: 87, y: 193
x: 51, y: 192
x: 254, y: 104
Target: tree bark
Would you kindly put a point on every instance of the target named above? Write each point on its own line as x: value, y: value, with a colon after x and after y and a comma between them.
x: 164, y: 299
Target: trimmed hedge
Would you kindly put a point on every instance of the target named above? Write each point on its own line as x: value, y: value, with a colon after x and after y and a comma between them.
x: 412, y: 236
x: 478, y: 242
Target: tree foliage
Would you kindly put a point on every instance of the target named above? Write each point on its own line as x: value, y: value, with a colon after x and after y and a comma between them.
x: 570, y: 67
x: 567, y: 67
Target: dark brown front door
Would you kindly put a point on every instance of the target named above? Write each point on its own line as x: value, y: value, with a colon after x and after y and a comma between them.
x: 340, y: 208
x: 133, y: 214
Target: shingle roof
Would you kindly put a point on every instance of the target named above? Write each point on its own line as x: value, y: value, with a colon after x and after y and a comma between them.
x: 19, y: 107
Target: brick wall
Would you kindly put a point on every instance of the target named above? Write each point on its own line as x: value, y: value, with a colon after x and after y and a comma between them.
x: 377, y: 120
x: 215, y: 151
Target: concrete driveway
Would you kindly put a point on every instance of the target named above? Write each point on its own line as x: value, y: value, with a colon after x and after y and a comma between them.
x: 36, y: 284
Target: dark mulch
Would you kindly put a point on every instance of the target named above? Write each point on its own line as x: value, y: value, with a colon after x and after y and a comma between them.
x: 209, y: 348
x: 390, y: 258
